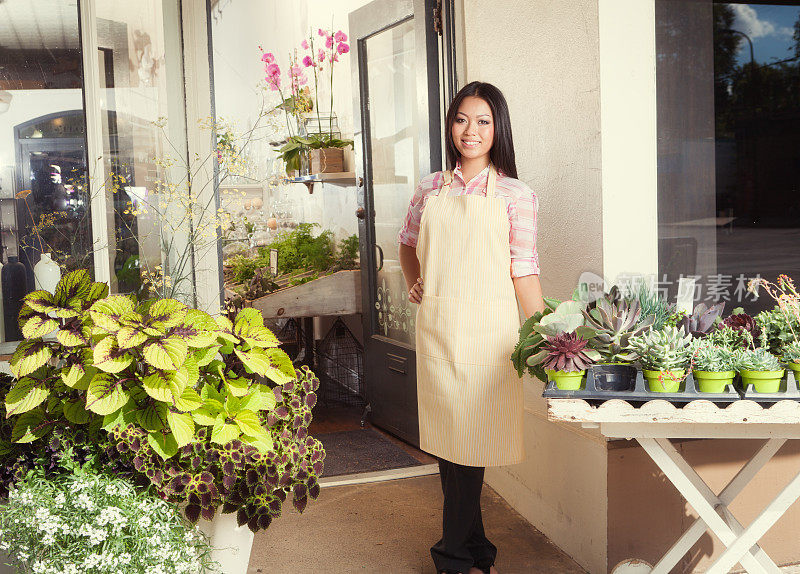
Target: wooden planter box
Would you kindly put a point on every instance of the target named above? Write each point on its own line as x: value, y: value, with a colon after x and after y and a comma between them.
x: 335, y: 294
x: 327, y: 160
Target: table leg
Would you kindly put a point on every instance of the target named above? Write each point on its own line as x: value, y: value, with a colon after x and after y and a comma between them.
x: 698, y: 495
x: 768, y: 517
x: 725, y: 497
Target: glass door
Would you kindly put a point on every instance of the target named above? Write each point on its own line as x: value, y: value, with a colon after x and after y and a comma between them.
x: 398, y: 139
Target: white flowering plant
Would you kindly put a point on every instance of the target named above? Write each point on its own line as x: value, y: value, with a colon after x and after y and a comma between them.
x: 90, y: 523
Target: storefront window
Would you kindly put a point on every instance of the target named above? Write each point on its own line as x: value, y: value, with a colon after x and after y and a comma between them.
x: 728, y: 89
x: 51, y: 185
x: 43, y: 203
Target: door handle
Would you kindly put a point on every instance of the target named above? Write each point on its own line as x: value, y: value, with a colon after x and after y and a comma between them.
x: 361, y: 213
x: 380, y: 252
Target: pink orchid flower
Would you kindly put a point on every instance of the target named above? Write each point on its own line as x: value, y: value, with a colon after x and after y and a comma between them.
x: 340, y: 36
x: 321, y: 32
x: 268, y: 58
x: 308, y: 62
x: 329, y: 42
x: 304, y: 44
x: 321, y: 55
x: 342, y: 48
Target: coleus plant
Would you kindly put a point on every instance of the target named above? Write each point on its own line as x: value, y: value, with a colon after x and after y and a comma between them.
x: 171, y: 376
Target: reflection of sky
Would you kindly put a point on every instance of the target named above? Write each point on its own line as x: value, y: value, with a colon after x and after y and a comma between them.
x: 770, y: 27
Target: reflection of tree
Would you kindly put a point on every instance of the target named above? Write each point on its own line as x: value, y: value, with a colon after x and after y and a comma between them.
x: 757, y: 109
x: 726, y: 47
x: 796, y: 38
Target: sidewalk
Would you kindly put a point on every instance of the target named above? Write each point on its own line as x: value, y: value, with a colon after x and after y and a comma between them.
x: 388, y: 528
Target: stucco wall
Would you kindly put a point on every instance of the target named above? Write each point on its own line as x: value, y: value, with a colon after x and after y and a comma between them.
x: 544, y: 57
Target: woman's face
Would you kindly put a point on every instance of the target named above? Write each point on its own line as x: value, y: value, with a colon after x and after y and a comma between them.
x: 473, y: 128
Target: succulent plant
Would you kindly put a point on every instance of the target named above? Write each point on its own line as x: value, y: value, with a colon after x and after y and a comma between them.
x: 665, y: 350
x: 791, y: 352
x: 730, y: 338
x: 741, y: 321
x: 566, y: 317
x: 712, y: 358
x: 611, y: 323
x: 565, y: 352
x: 530, y: 342
x: 652, y: 304
x: 778, y: 329
x: 702, y: 319
x: 756, y: 360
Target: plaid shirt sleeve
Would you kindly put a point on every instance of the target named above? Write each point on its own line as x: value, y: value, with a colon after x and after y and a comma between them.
x: 410, y: 229
x: 523, y: 210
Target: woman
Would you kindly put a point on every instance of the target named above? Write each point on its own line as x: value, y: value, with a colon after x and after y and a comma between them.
x: 468, y: 254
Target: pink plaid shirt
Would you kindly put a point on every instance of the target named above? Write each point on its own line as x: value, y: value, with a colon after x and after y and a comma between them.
x: 522, y: 205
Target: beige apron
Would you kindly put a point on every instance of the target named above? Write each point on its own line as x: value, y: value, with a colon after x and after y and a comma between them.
x: 470, y: 398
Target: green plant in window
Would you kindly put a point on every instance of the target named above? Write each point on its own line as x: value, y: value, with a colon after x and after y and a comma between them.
x: 348, y: 252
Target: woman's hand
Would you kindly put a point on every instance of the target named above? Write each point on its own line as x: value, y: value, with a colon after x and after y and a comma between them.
x: 415, y: 293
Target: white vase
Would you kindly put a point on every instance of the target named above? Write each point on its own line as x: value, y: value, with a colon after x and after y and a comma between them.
x: 46, y: 273
x: 231, y: 543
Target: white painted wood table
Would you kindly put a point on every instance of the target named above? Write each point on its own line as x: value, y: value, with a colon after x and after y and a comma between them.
x: 657, y: 421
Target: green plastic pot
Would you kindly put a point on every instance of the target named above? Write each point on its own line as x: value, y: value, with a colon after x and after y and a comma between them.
x: 796, y: 368
x: 713, y: 381
x: 670, y: 381
x: 763, y: 381
x: 566, y: 381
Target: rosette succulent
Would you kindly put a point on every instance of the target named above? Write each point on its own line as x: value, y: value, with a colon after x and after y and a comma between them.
x: 713, y: 359
x: 702, y: 319
x: 565, y: 352
x: 665, y: 350
x: 756, y: 360
x: 791, y: 352
x: 611, y: 324
x: 741, y: 321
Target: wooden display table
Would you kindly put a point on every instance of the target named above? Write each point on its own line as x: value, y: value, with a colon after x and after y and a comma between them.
x: 335, y: 294
x: 655, y: 422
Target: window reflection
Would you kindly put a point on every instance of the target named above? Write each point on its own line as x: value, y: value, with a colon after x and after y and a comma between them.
x: 43, y: 198
x: 729, y: 145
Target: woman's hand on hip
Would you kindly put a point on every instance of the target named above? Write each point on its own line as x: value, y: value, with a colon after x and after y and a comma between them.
x: 415, y: 293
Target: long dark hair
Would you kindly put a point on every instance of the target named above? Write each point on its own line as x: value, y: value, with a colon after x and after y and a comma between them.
x: 502, y: 152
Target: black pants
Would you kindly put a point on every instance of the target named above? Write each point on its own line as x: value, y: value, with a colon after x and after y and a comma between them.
x: 463, y: 544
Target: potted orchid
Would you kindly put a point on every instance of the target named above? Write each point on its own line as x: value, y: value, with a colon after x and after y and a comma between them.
x: 293, y: 104
x: 314, y: 144
x: 327, y: 147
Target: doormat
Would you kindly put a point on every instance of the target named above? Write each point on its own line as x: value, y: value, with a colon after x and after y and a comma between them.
x: 362, y: 450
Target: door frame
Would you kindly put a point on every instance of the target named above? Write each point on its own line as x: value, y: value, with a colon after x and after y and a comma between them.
x: 373, y: 19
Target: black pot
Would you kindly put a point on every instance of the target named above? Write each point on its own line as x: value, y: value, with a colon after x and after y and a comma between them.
x: 614, y: 377
x: 15, y: 287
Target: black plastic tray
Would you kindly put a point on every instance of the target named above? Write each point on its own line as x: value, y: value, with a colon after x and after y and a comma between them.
x: 641, y: 393
x: 788, y: 391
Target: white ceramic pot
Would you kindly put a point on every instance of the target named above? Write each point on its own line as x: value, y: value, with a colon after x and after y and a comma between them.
x: 231, y: 543
x: 46, y: 273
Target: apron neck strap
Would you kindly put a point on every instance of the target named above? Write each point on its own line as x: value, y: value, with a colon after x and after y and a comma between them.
x: 491, y: 182
x: 448, y: 179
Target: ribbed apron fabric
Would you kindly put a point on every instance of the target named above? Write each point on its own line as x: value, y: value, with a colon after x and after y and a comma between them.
x: 470, y: 397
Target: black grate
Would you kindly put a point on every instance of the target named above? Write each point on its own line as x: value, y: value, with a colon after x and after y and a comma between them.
x: 340, y: 367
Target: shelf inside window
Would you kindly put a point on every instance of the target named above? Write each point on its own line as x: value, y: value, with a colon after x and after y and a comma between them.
x: 336, y: 178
